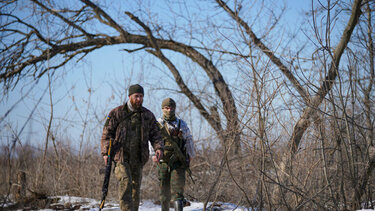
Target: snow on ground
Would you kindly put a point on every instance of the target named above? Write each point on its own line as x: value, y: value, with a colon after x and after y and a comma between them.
x: 93, y: 204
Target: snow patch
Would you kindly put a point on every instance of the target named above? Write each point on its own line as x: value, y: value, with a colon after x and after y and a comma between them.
x: 80, y: 203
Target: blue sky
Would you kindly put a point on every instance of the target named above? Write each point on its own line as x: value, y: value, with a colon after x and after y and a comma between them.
x: 83, y: 92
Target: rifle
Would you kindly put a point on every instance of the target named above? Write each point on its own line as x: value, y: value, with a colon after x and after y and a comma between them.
x: 180, y: 157
x: 108, y: 167
x: 108, y: 170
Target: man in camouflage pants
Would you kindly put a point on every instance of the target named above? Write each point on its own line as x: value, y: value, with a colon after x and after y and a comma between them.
x: 131, y: 126
x: 172, y: 170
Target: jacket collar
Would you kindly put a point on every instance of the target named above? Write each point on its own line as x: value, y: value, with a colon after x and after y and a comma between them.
x: 128, y: 108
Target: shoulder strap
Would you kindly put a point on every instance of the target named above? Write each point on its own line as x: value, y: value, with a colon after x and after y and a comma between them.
x: 166, y: 128
x: 159, y: 125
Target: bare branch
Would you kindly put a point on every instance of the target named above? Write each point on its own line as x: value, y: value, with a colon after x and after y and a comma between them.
x: 109, y: 21
x: 215, y: 76
x: 55, y: 13
x: 326, y: 86
x: 266, y: 50
x: 180, y: 82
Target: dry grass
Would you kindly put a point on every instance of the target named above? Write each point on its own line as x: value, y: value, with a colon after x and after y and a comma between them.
x: 250, y: 180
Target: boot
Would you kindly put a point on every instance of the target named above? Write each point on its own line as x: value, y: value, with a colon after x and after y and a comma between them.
x: 178, y: 205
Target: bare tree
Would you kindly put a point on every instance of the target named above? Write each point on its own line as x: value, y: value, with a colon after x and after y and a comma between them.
x: 312, y: 103
x: 291, y: 129
x: 26, y: 56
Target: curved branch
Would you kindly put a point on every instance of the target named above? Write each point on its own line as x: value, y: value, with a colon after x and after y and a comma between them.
x: 185, y: 89
x: 69, y: 57
x: 221, y: 87
x: 304, y: 121
x: 15, y: 69
x: 180, y: 82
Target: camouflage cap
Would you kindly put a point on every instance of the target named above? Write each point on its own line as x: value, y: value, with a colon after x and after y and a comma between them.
x: 136, y: 88
x: 168, y: 102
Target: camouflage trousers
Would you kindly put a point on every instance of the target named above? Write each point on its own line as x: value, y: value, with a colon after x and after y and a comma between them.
x: 172, y: 182
x: 129, y: 177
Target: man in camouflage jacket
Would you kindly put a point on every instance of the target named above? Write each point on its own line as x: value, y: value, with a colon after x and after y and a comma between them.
x: 131, y: 126
x: 172, y: 170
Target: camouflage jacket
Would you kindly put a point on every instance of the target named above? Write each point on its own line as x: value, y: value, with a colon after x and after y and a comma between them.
x: 186, y: 134
x: 115, y: 129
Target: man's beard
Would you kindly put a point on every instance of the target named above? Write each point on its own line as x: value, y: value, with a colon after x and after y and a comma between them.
x: 136, y: 105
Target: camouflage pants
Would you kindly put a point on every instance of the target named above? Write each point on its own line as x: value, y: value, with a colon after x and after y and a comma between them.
x: 129, y: 177
x: 172, y: 182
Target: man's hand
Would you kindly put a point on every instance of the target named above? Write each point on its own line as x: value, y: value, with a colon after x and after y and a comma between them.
x: 105, y: 157
x: 158, y: 156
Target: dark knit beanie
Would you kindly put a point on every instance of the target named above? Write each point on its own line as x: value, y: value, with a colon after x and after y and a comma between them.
x: 168, y: 102
x: 136, y: 88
